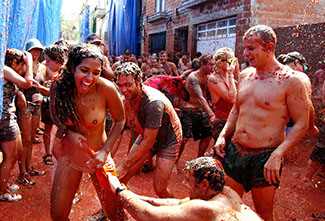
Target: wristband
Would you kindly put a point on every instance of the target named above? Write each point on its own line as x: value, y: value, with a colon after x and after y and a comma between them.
x: 120, y: 189
x: 231, y: 75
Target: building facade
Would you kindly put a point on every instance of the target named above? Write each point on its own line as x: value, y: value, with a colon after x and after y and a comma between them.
x: 206, y: 25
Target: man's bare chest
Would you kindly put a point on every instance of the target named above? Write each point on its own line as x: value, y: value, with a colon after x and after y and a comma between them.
x: 266, y: 94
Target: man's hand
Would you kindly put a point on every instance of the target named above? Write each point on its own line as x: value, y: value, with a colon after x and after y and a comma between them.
x: 114, y: 182
x: 212, y: 118
x: 220, y: 147
x: 272, y: 168
x: 37, y: 98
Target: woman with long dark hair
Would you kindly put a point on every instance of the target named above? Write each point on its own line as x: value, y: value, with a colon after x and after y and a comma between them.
x: 80, y: 99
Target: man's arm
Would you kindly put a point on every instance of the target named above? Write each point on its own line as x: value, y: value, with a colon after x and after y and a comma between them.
x: 227, y: 131
x: 217, y: 87
x: 298, y: 106
x: 315, y: 80
x: 138, y: 150
x: 107, y: 72
x: 312, y: 129
x: 163, y: 201
x: 186, y: 73
x: 174, y: 69
x: 153, y: 118
x: 142, y: 210
x: 196, y: 89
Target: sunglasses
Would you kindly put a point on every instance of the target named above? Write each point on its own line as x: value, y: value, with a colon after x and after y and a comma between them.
x: 229, y: 60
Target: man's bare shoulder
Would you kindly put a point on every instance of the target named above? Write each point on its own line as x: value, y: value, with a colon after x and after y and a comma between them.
x: 116, y: 64
x: 290, y: 76
x: 245, y: 73
x: 304, y: 77
x: 203, y: 209
x: 192, y: 75
x: 213, y: 79
x: 320, y: 72
x: 171, y: 64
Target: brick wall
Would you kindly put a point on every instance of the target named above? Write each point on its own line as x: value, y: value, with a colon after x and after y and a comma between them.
x: 212, y: 11
x: 275, y: 13
x: 309, y: 40
x: 283, y: 13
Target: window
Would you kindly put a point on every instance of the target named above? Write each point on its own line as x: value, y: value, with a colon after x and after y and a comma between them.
x: 160, y: 5
x: 218, y: 29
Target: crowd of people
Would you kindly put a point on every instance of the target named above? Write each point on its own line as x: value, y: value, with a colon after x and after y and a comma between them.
x: 255, y: 115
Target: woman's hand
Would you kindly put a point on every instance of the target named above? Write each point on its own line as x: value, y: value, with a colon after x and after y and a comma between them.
x: 28, y: 59
x: 98, y: 161
x: 37, y: 98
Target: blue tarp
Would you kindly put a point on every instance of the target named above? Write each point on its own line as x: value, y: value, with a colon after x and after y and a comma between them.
x: 84, y: 24
x: 23, y: 22
x: 4, y: 16
x: 49, y: 21
x: 122, y: 25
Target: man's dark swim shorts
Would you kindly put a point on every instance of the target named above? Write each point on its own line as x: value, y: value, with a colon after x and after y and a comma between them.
x: 195, y: 123
x: 246, y: 165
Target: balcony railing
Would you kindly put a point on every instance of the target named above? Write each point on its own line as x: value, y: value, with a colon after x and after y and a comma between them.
x: 188, y: 4
x: 157, y: 16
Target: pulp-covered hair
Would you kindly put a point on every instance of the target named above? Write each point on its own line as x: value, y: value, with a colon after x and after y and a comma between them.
x: 205, y: 58
x: 207, y: 168
x: 281, y: 58
x: 264, y: 33
x: 63, y: 43
x: 163, y: 52
x: 13, y: 54
x: 128, y: 68
x: 293, y: 56
x: 65, y: 107
x: 145, y: 54
x: 196, y: 64
x: 56, y: 53
x: 127, y: 52
x: 222, y: 53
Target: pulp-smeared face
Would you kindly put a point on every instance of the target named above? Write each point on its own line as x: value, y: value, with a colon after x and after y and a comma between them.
x: 36, y: 52
x: 296, y: 66
x: 209, y: 66
x: 189, y: 183
x: 154, y: 63
x: 87, y: 74
x: 185, y: 59
x: 223, y: 64
x: 163, y: 58
x: 19, y: 68
x: 255, y: 53
x: 126, y: 58
x: 52, y: 65
x: 145, y: 58
x: 128, y: 86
